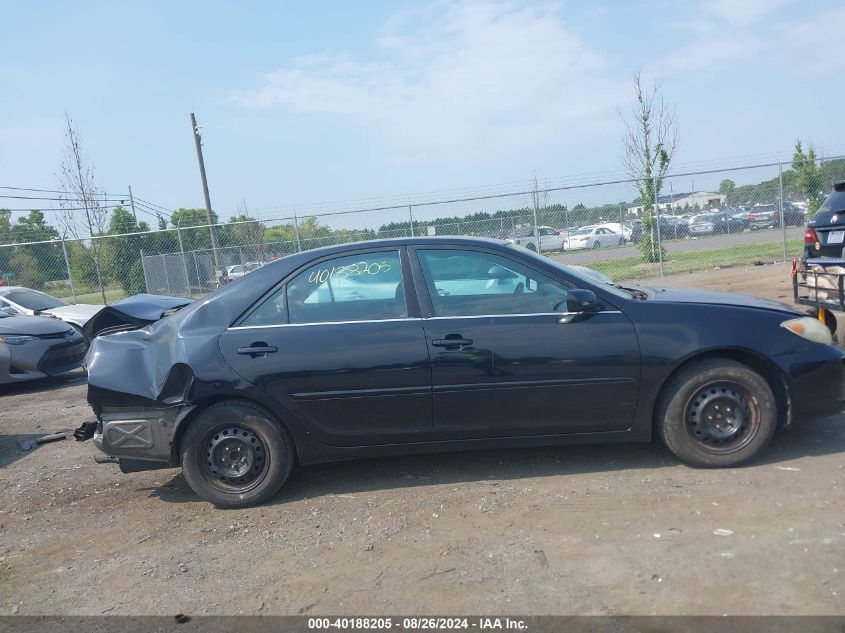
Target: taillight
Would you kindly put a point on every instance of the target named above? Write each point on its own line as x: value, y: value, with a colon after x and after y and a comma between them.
x: 810, y: 236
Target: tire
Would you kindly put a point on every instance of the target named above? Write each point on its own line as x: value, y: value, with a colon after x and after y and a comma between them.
x: 716, y: 386
x: 596, y: 245
x: 621, y: 241
x: 240, y: 428
x: 531, y: 247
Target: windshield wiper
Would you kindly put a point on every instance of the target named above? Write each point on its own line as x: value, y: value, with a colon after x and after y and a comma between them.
x: 638, y: 294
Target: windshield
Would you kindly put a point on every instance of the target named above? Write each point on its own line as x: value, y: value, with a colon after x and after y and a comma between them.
x: 33, y: 300
x: 588, y: 275
x: 582, y: 231
x: 707, y: 217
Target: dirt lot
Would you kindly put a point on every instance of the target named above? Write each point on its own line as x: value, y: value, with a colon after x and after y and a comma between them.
x: 610, y: 529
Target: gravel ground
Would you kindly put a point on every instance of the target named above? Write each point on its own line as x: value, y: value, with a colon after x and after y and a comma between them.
x: 573, y: 530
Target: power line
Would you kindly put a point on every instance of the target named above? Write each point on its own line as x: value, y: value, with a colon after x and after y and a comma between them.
x: 99, y: 193
x: 27, y: 209
x: 153, y: 205
x: 93, y: 198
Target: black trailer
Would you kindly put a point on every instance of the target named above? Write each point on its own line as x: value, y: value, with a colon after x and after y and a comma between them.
x: 820, y: 284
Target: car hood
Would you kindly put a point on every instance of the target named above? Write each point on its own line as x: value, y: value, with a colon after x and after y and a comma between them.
x: 711, y: 297
x: 32, y: 325
x: 76, y: 313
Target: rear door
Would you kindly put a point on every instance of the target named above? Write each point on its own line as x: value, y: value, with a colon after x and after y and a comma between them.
x: 502, y: 364
x: 340, y: 348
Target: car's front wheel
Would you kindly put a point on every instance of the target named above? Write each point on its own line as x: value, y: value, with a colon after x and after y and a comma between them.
x: 716, y: 413
x: 235, y: 454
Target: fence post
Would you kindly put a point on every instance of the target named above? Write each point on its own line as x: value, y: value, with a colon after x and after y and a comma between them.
x: 166, y: 276
x: 184, y: 264
x: 657, y: 225
x: 69, y: 275
x: 197, y: 268
x: 411, y: 216
x: 296, y: 229
x: 144, y: 268
x: 780, y: 198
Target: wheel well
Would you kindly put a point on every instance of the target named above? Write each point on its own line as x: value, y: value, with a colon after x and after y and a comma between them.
x: 763, y: 366
x: 203, y: 404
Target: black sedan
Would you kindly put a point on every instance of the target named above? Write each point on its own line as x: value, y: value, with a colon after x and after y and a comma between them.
x: 433, y: 344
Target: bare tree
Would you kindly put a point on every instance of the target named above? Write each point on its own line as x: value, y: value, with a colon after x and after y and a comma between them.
x: 538, y: 201
x: 82, y: 199
x: 649, y: 144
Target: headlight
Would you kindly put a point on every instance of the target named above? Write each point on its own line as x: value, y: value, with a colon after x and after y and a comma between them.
x: 16, y: 340
x: 810, y: 329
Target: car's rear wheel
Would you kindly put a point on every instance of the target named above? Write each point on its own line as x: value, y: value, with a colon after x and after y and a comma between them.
x: 621, y: 241
x: 596, y: 245
x: 235, y: 455
x: 716, y: 413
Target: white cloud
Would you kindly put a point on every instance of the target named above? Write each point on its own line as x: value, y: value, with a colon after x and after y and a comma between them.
x: 818, y: 41
x: 723, y: 33
x: 741, y: 12
x: 707, y: 53
x: 455, y: 79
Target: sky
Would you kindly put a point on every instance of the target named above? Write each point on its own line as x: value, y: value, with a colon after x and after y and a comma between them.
x: 303, y: 103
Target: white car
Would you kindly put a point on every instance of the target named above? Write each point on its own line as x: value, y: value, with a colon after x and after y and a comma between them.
x: 624, y: 231
x: 593, y: 237
x: 547, y: 238
x: 17, y: 300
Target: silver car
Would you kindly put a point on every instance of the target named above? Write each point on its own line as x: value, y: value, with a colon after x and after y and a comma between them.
x: 35, y: 347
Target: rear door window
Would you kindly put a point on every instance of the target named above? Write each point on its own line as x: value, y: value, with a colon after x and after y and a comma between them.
x: 361, y: 287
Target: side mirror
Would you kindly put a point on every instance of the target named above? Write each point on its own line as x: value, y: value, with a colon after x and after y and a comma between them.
x: 578, y: 302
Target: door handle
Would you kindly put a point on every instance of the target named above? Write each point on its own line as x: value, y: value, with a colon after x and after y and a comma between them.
x: 453, y: 341
x: 257, y: 350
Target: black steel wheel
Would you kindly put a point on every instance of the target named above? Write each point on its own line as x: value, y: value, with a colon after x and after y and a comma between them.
x: 715, y: 413
x: 235, y: 458
x: 722, y: 417
x: 236, y: 454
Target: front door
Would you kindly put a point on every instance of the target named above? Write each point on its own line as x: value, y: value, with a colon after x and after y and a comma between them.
x: 336, y: 347
x: 502, y: 364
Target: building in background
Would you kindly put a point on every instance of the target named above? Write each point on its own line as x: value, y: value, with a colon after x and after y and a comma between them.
x: 678, y: 202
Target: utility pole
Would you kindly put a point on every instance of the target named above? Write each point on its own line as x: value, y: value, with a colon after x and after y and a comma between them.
x: 198, y: 143
x: 132, y: 205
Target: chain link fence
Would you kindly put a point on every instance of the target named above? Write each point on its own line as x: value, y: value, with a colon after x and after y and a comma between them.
x: 702, y: 220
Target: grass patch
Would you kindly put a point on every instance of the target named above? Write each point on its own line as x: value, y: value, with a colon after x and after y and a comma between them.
x: 95, y: 297
x: 742, y: 255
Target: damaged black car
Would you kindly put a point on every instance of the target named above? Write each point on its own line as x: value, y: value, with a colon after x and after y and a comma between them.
x: 433, y: 344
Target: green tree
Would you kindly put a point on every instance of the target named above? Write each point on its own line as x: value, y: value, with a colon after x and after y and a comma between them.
x: 650, y: 142
x: 194, y: 238
x: 122, y: 253
x: 34, y: 264
x: 726, y: 187
x: 809, y: 178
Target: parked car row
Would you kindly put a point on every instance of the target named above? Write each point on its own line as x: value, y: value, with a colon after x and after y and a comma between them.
x: 239, y: 270
x: 548, y: 239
